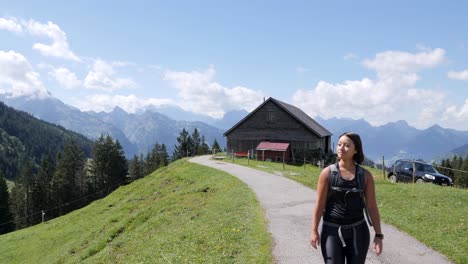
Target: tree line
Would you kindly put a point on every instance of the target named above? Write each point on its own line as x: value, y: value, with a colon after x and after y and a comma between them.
x: 454, y: 167
x: 70, y: 180
x: 24, y: 137
x: 192, y: 145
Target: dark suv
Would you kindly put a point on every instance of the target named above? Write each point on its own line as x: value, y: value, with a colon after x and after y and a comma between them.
x: 404, y: 170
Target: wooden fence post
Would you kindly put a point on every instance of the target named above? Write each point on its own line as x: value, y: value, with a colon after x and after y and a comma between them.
x: 283, y: 161
x: 383, y: 167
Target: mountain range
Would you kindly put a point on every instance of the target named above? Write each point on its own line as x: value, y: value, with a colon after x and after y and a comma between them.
x: 137, y: 133
x: 396, y: 140
x: 140, y: 131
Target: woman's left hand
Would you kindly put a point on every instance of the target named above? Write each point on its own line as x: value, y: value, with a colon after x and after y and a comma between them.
x: 378, y: 246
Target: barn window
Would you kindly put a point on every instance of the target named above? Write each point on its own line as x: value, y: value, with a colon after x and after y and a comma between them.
x: 270, y: 116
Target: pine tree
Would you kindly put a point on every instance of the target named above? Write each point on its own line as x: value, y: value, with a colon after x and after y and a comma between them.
x: 147, y: 162
x: 447, y: 168
x: 135, y: 170
x: 6, y: 218
x: 21, y: 202
x: 204, y: 148
x: 462, y: 177
x: 99, y: 165
x: 109, y: 166
x: 216, y: 147
x: 42, y: 194
x: 183, y: 148
x: 66, y: 180
x: 196, y: 143
x: 119, y: 165
x: 457, y: 162
x: 155, y: 160
x: 143, y: 165
x: 163, y: 156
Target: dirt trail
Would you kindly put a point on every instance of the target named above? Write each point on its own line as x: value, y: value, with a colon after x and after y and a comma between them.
x: 288, y: 206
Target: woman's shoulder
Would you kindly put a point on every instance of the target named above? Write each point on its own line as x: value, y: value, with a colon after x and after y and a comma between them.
x: 325, y: 172
x: 326, y: 169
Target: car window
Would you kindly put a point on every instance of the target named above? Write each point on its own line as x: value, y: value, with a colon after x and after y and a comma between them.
x: 397, y: 163
x: 425, y: 168
x: 407, y: 166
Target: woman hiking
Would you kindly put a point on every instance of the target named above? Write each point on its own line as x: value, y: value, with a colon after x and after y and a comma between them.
x: 345, y: 193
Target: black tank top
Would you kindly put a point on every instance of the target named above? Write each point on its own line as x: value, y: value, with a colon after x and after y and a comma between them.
x: 344, y: 208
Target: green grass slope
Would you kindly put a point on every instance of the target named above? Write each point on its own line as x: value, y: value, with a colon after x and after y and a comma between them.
x: 184, y: 213
x: 435, y: 215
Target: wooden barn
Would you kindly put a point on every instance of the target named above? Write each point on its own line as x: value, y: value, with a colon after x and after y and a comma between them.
x: 278, y: 122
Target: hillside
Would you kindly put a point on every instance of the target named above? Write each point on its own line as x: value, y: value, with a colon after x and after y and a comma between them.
x: 184, y: 213
x: 460, y: 151
x: 24, y: 136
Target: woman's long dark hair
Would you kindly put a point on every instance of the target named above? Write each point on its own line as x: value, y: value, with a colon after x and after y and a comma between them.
x: 359, y: 156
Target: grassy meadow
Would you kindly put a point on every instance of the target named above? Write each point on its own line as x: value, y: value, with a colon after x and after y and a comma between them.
x: 435, y: 215
x: 184, y: 213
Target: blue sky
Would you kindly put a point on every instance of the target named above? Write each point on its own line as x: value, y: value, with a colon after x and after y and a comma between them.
x: 380, y: 61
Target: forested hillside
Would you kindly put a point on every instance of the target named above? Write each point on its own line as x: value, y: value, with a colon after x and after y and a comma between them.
x: 23, y: 136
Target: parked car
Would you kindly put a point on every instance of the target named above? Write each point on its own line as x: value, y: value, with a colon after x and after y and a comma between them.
x: 409, y: 170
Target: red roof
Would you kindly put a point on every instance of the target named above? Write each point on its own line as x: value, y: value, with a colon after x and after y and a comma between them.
x: 272, y: 146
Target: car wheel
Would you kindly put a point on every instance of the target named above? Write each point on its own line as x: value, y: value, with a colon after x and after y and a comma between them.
x: 419, y: 180
x: 392, y: 178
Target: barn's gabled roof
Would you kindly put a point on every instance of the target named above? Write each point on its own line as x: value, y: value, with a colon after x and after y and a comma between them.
x: 295, y: 112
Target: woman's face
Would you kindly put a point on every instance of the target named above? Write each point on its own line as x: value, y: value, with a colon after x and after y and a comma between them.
x: 345, y: 148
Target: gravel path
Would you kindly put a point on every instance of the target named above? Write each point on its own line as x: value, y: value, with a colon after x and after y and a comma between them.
x: 288, y: 207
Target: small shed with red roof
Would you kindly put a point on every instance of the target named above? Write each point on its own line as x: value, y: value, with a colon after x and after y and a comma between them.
x: 273, y: 151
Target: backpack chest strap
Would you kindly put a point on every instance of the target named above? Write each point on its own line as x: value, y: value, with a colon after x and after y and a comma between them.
x: 340, y: 189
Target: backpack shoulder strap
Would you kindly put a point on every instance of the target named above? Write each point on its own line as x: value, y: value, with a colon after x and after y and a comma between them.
x: 333, y: 179
x: 361, y: 179
x: 362, y: 185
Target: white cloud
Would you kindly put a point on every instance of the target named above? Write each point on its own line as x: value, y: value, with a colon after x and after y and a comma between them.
x: 391, y: 96
x: 66, y: 78
x: 10, y: 25
x: 431, y: 105
x: 460, y: 75
x: 201, y: 94
x: 130, y: 103
x: 59, y: 46
x: 403, y: 66
x: 102, y: 77
x: 398, y: 62
x: 17, y: 77
x: 456, y: 116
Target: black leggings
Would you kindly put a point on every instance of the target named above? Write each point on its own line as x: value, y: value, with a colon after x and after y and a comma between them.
x: 356, y: 248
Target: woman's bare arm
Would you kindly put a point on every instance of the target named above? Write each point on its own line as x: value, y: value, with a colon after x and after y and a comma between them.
x: 322, y: 192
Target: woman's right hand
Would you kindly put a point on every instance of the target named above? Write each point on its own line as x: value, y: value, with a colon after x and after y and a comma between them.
x: 314, y: 239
